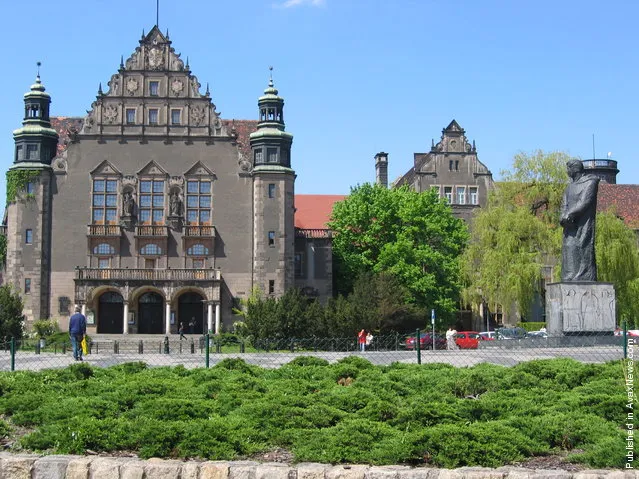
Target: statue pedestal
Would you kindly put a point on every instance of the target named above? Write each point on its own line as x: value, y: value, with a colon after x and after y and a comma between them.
x: 174, y: 222
x: 580, y: 307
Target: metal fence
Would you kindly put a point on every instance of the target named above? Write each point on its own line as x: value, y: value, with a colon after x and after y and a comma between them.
x: 417, y: 348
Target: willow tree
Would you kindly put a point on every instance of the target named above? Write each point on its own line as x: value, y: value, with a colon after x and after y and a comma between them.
x: 517, y: 234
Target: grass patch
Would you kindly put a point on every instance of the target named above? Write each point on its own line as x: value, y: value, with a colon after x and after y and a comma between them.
x: 347, y: 412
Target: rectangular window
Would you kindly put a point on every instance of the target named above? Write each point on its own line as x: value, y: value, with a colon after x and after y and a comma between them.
x: 271, y: 238
x: 198, y: 202
x: 30, y: 188
x: 448, y: 193
x: 105, y: 201
x: 176, y: 117
x: 271, y: 190
x: 130, y: 116
x: 456, y: 165
x: 153, y: 116
x: 271, y: 286
x: 151, y: 202
x: 27, y: 285
x: 103, y: 263
x: 19, y: 153
x: 450, y: 165
x: 259, y: 158
x: 154, y: 88
x: 28, y: 236
x: 461, y: 195
x: 271, y: 155
x: 149, y: 263
x: 474, y: 200
x: 32, y: 152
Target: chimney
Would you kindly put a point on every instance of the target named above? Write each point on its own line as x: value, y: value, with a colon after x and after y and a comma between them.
x: 381, y: 169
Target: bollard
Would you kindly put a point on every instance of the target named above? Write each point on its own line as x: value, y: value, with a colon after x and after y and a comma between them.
x: 166, y: 345
x: 242, y: 347
x: 192, y: 346
x: 141, y: 347
x: 418, y: 341
x: 13, y: 354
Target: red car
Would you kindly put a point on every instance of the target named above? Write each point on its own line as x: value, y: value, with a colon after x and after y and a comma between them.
x: 425, y: 342
x: 467, y: 339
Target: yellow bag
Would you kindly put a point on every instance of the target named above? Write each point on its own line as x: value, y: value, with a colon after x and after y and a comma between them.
x: 85, y: 346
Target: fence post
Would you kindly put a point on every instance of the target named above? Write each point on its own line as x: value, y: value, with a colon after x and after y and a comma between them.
x: 13, y: 354
x: 206, y: 351
x: 625, y: 339
x: 116, y: 348
x: 192, y: 346
x: 166, y: 345
x: 418, y: 345
x: 37, y: 347
x: 141, y: 347
x: 242, y: 346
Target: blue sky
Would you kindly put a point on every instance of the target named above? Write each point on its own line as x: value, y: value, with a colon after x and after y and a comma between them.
x: 360, y: 76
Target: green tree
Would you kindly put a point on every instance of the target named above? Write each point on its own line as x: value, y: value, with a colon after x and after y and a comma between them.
x: 412, y: 236
x: 517, y: 234
x: 11, y: 316
x: 618, y: 263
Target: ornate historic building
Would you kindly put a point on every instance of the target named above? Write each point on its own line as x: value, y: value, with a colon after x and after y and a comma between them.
x: 453, y: 168
x: 152, y: 210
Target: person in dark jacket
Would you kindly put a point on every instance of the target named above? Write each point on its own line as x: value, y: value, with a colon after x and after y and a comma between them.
x: 77, y: 330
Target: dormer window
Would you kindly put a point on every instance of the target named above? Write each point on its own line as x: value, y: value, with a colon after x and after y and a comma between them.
x: 154, y: 88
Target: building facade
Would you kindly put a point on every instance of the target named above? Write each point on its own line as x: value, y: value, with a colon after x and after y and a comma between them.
x: 453, y: 168
x: 152, y: 210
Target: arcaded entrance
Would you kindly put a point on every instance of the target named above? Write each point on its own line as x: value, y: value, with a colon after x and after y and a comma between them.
x: 150, y: 314
x: 110, y: 313
x: 191, y: 313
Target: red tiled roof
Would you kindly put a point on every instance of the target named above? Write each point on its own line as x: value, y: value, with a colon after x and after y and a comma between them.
x: 624, y: 199
x: 314, y: 211
x: 62, y: 124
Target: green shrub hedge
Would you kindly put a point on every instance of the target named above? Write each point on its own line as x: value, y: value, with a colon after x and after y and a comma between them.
x: 347, y: 412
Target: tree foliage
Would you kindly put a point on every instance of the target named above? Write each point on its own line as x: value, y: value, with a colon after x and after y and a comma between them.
x: 11, y: 316
x: 412, y: 236
x: 518, y: 234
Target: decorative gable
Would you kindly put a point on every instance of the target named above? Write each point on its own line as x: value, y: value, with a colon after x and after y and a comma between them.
x: 105, y: 168
x: 152, y: 169
x: 199, y: 169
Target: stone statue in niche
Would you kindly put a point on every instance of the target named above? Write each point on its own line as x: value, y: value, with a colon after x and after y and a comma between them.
x: 578, y: 210
x: 128, y: 204
x: 175, y: 205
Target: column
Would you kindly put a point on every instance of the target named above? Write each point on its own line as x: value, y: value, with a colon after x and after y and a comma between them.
x: 125, y: 319
x: 209, y: 317
x: 167, y: 318
x: 217, y: 318
x: 84, y: 310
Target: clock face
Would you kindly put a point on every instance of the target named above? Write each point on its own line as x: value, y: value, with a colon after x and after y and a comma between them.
x: 155, y: 57
x: 132, y: 85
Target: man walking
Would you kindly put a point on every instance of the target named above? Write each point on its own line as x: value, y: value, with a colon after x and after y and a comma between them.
x: 77, y: 330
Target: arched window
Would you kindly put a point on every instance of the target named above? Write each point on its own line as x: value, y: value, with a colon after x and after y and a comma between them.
x: 197, y: 250
x: 151, y: 249
x: 104, y: 249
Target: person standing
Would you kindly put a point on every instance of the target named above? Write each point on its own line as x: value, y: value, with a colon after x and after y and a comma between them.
x: 361, y: 339
x: 181, y: 331
x: 77, y: 331
x: 450, y: 338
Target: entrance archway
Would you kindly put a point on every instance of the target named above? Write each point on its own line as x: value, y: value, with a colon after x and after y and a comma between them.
x: 110, y: 313
x: 191, y: 312
x: 150, y: 306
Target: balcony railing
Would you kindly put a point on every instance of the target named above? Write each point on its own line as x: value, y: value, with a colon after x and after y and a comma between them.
x: 104, y: 230
x: 313, y: 233
x: 152, y: 230
x: 127, y: 274
x: 612, y: 164
x: 198, y: 231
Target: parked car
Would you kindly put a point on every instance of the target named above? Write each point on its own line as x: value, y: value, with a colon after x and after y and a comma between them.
x: 467, y: 339
x: 537, y: 334
x: 425, y: 341
x: 487, y: 335
x: 510, y: 333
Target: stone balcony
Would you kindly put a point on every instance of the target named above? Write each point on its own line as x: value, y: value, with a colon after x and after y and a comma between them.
x: 147, y: 275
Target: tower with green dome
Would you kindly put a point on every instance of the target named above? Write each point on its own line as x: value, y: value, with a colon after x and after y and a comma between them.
x: 29, y: 203
x: 273, y: 197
